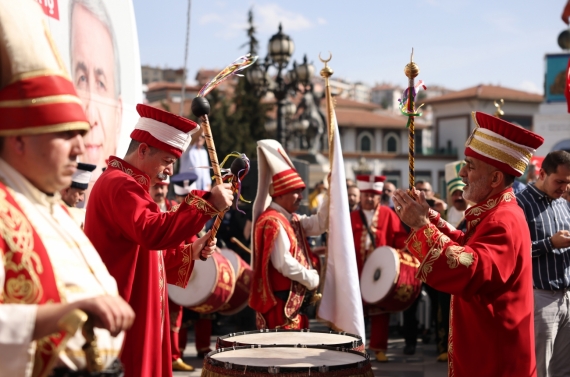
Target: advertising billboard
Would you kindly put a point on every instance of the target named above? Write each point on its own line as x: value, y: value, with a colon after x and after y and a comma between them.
x: 555, y: 77
x: 97, y: 40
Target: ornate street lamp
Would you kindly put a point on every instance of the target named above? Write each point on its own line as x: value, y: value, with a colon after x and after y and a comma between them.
x: 280, y: 50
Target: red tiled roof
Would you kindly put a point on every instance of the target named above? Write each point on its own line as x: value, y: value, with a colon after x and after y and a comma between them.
x: 351, y: 104
x: 487, y: 92
x: 160, y: 85
x: 366, y: 119
x: 173, y: 107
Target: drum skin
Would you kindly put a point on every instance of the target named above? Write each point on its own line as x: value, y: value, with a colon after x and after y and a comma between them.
x: 218, y: 294
x: 405, y: 288
x: 244, y: 276
x: 291, y: 337
x: 286, y: 361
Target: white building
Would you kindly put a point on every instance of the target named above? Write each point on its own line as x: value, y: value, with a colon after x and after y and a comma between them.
x: 453, y: 123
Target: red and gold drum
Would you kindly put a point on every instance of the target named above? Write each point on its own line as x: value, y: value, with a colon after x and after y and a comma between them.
x: 244, y: 274
x: 292, y: 337
x: 388, y: 279
x: 286, y: 361
x: 210, y: 287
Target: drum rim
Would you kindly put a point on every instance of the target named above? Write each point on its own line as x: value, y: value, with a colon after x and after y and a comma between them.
x: 288, y: 330
x: 272, y: 369
x: 224, y: 341
x: 214, y: 287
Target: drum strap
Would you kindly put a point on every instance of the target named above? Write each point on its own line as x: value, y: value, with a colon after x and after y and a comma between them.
x: 365, y: 223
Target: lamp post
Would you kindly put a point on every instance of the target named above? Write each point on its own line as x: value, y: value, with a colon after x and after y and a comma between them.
x: 280, y: 49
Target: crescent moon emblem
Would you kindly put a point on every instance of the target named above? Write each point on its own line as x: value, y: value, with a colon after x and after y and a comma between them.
x: 325, y: 60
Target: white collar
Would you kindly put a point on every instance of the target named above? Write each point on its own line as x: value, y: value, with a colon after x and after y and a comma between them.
x: 281, y: 210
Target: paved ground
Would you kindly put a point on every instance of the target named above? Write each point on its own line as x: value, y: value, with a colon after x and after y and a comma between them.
x: 422, y: 364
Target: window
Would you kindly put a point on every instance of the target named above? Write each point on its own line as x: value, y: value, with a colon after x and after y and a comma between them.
x: 365, y: 141
x: 365, y: 144
x: 391, y: 142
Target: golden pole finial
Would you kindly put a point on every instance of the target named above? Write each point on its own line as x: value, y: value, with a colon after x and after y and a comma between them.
x: 327, y: 72
x: 411, y: 70
x: 499, y: 113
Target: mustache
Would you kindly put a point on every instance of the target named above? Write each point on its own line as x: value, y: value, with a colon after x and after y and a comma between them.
x: 162, y: 176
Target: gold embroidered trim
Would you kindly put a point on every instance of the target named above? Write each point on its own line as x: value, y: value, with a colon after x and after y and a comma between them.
x: 286, y: 183
x: 432, y: 255
x: 456, y: 255
x: 503, y: 142
x: 201, y: 204
x: 39, y: 130
x: 184, y: 267
x: 489, y: 205
x: 498, y: 154
x: 38, y: 73
x: 17, y: 232
x: 140, y: 178
x: 47, y: 100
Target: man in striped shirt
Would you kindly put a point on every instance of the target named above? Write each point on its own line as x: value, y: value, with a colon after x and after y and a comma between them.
x: 548, y: 218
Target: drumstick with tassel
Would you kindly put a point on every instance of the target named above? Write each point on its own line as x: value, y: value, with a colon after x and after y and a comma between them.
x: 201, y: 109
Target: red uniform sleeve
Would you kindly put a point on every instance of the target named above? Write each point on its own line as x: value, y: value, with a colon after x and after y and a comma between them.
x: 479, y: 267
x: 140, y: 220
x: 178, y: 265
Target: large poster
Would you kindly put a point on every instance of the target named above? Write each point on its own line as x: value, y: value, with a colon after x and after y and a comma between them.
x: 98, y: 43
x: 555, y: 77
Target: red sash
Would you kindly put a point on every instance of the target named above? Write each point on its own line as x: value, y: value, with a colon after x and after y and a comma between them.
x: 29, y: 275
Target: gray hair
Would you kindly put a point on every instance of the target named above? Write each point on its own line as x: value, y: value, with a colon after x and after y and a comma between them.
x: 98, y: 10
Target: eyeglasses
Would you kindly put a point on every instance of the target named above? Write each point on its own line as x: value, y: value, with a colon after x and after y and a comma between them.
x: 423, y: 189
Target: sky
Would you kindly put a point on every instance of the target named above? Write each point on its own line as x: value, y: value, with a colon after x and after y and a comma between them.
x: 457, y: 43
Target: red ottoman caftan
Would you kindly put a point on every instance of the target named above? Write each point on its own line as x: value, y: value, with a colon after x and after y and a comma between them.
x: 132, y: 235
x: 489, y: 273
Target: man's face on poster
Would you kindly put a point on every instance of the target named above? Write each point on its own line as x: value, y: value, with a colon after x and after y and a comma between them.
x: 93, y: 71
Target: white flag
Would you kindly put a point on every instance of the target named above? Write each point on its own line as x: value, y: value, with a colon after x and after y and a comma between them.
x: 341, y: 304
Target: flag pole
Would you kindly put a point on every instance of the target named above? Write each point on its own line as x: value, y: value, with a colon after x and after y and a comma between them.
x: 327, y: 72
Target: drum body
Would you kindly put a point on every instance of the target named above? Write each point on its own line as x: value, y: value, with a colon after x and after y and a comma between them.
x: 287, y: 361
x: 244, y: 276
x: 210, y: 287
x: 292, y: 337
x: 388, y: 281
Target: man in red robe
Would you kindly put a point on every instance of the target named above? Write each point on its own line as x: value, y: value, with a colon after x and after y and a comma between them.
x: 142, y: 246
x: 283, y: 263
x: 375, y: 225
x: 488, y: 269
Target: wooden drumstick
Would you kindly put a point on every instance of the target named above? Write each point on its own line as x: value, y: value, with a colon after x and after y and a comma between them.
x: 201, y: 109
x: 238, y: 242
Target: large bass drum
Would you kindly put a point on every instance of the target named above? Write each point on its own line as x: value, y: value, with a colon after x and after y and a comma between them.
x: 315, y: 361
x: 291, y: 337
x: 210, y: 287
x: 388, y: 280
x: 244, y: 276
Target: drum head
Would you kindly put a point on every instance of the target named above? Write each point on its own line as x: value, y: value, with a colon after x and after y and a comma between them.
x: 292, y: 338
x: 287, y: 357
x: 200, y: 286
x: 380, y: 274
